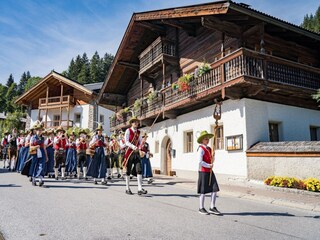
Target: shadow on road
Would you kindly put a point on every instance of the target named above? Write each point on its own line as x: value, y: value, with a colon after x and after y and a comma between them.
x: 8, y: 185
x: 258, y: 214
x: 76, y: 187
x: 174, y: 195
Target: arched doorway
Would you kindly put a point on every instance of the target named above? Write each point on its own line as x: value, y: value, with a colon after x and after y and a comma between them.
x: 166, y: 157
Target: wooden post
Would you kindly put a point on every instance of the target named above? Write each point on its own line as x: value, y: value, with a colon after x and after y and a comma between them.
x: 39, y: 110
x: 163, y: 74
x: 61, y: 97
x: 68, y: 116
x: 262, y: 49
x: 47, y: 98
x: 222, y: 44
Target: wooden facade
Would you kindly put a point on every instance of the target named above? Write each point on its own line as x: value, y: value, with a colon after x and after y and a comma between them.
x: 55, y: 92
x: 251, y: 54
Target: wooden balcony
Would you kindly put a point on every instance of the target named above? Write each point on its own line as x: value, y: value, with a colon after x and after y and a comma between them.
x: 55, y: 124
x: 243, y: 73
x: 159, y: 51
x: 54, y: 102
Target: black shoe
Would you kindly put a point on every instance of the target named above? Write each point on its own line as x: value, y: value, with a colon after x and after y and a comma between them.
x: 203, y: 211
x: 63, y: 178
x: 34, y: 183
x: 104, y: 183
x: 95, y: 182
x: 131, y: 177
x: 30, y: 179
x: 215, y: 211
x: 150, y: 181
x: 142, y: 192
x: 129, y: 192
x: 119, y: 175
x: 109, y: 178
x: 86, y: 178
x: 41, y: 183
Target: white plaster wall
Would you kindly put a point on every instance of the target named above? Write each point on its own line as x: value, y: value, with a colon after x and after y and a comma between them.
x: 295, y: 122
x: 233, y: 119
x: 107, y: 114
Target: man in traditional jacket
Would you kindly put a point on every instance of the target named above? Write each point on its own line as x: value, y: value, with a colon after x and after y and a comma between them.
x: 123, y: 146
x: 4, y: 145
x: 12, y: 150
x: 98, y: 168
x: 132, y: 159
x: 81, y: 144
x: 60, y: 147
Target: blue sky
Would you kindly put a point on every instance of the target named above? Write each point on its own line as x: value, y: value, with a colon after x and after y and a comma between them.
x: 41, y: 35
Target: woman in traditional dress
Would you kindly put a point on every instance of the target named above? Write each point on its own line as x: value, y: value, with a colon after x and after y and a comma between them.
x: 39, y: 156
x: 21, y: 151
x: 98, y: 168
x: 145, y: 159
x: 207, y: 182
x: 71, y: 160
x: 50, y: 152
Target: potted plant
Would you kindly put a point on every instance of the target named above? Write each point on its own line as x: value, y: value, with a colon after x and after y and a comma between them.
x: 152, y: 96
x: 175, y: 86
x: 203, y: 69
x: 137, y: 105
x: 184, y: 82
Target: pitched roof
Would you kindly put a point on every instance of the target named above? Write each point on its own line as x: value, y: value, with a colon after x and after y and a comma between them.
x: 52, y: 79
x: 138, y: 36
x: 286, y: 147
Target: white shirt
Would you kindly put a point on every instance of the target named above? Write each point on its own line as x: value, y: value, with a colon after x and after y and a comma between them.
x: 122, y: 144
x: 95, y: 139
x: 200, y: 154
x: 127, y: 137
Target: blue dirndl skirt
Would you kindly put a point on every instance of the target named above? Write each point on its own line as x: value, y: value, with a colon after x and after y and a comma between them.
x: 146, y: 167
x: 71, y: 160
x: 97, y: 167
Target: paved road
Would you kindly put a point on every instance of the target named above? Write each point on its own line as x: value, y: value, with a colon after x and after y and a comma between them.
x: 77, y: 210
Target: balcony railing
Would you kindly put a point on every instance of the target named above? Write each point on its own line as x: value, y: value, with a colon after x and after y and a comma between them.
x: 241, y: 63
x: 52, y: 101
x: 57, y: 123
x: 155, y: 51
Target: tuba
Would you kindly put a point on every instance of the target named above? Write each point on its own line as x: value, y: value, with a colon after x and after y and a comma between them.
x: 116, y: 146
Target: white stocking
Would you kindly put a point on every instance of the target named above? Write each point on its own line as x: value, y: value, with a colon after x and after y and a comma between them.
x: 213, y: 199
x: 202, y: 197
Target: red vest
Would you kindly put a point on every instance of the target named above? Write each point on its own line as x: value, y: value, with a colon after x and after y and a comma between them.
x: 72, y: 144
x: 206, y: 158
x: 133, y: 139
x: 19, y: 145
x: 62, y: 143
x: 82, y: 146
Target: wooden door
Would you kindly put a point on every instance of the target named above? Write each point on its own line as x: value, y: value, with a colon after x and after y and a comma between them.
x: 168, y: 157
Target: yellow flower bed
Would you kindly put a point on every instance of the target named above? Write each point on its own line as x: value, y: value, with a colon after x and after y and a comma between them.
x: 310, y: 184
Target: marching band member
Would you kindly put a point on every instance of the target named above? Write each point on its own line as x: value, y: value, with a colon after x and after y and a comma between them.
x: 114, y: 155
x: 38, y: 154
x: 204, y: 156
x: 50, y: 152
x: 71, y: 160
x: 97, y: 167
x: 12, y: 150
x: 81, y: 145
x: 132, y: 159
x: 107, y: 152
x: 27, y: 153
x: 60, y: 147
x: 21, y: 150
x: 122, y: 143
x: 4, y: 145
x: 145, y: 160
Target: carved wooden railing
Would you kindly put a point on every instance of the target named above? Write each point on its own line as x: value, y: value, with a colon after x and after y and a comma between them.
x: 241, y: 63
x: 159, y: 47
x: 51, y: 101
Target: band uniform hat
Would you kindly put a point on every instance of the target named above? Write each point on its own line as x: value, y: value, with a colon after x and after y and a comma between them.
x: 60, y: 129
x: 204, y: 134
x: 82, y: 131
x: 99, y: 128
x: 133, y: 119
x: 37, y: 126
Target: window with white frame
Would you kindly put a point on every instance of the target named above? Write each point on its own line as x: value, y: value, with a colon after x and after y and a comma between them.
x: 101, y: 118
x: 188, y: 141
x: 156, y: 147
x: 56, y: 120
x: 219, y: 138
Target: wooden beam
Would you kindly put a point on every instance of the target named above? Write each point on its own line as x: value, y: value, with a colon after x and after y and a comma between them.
x: 133, y: 66
x: 68, y: 117
x: 215, y: 23
x: 189, y: 29
x: 153, y: 27
x: 172, y: 114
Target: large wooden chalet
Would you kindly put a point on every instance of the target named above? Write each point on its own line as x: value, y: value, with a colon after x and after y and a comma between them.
x: 259, y: 65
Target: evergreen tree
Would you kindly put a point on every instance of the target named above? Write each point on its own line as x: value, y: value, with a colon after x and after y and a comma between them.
x: 22, y: 83
x: 312, y: 22
x: 28, y: 75
x: 10, y: 81
x: 71, y: 70
x: 10, y: 95
x: 95, y: 68
x: 3, y: 102
x: 31, y: 82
